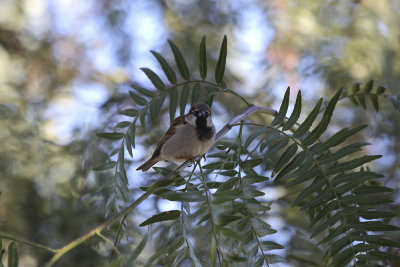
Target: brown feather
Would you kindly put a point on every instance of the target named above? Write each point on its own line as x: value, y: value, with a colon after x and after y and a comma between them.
x: 181, y: 120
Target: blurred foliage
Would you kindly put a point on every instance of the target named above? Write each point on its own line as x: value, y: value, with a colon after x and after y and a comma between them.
x: 65, y: 67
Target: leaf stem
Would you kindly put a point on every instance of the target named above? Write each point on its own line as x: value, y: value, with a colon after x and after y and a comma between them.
x: 26, y: 242
x: 211, y: 215
x: 241, y: 188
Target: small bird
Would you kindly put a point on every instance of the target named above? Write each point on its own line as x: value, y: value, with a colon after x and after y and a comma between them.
x: 189, y: 136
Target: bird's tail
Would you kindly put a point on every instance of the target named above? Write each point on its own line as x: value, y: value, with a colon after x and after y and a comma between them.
x: 147, y: 165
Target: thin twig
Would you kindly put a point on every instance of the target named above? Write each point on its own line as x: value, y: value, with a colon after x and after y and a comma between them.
x: 26, y: 242
x: 242, y: 116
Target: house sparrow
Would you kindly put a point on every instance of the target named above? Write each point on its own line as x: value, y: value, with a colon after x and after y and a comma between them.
x: 189, y: 136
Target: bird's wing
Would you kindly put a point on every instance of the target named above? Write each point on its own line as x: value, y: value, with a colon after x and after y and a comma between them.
x: 181, y: 120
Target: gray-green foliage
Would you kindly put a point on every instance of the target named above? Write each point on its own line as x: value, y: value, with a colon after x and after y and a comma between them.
x: 340, y: 195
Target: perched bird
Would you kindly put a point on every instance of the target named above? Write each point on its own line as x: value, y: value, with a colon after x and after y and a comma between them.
x: 189, y: 136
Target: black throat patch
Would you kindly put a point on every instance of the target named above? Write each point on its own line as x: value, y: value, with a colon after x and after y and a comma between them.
x: 203, y: 132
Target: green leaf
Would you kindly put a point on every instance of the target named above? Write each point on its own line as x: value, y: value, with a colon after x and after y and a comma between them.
x: 372, y: 189
x: 355, y: 177
x: 224, y: 165
x: 180, y: 61
x: 254, y: 179
x: 136, y: 252
x: 237, y: 258
x: 228, y: 185
x: 276, y: 147
x: 305, y: 126
x: 292, y: 165
x: 285, y: 158
x: 13, y: 258
x: 356, y: 88
x: 374, y: 226
x: 105, y: 166
x: 314, y: 187
x: 220, y: 68
x: 163, y: 216
x: 257, y: 207
x: 231, y: 173
x: 175, y: 245
x: 229, y: 233
x: 224, y: 219
x: 144, y: 92
x: 375, y: 214
x: 361, y: 98
x: 337, y: 245
x: 196, y: 261
x: 251, y: 163
x: 326, y: 118
x: 173, y: 103
x: 203, y: 59
x: 269, y: 245
x: 254, y: 135
x: 319, y: 199
x: 261, y: 228
x: 327, y: 223
x: 251, y: 193
x: 179, y: 257
x: 153, y: 77
x: 343, y: 258
x: 334, y: 233
x: 122, y: 124
x: 351, y: 164
x: 368, y: 86
x: 130, y: 139
x: 110, y: 136
x: 141, y: 101
x: 380, y: 90
x: 268, y: 139
x: 129, y: 112
x: 142, y: 117
x: 295, y: 113
x: 155, y: 108
x: 195, y: 94
x: 184, y: 97
x: 169, y: 72
x: 364, y: 200
x: 375, y: 102
x: 379, y: 240
x: 336, y: 139
x: 225, y: 196
x: 341, y: 153
x: 259, y: 262
x: 280, y: 116
x: 204, y: 218
x: 384, y: 255
x: 314, y: 173
x: 189, y: 196
x: 333, y: 205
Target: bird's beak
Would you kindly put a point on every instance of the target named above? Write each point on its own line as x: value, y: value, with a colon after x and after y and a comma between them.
x: 201, y: 114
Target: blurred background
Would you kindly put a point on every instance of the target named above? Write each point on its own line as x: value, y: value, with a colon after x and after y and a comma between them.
x: 66, y: 67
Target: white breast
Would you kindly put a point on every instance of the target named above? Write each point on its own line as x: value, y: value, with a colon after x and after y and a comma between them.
x: 184, y: 145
